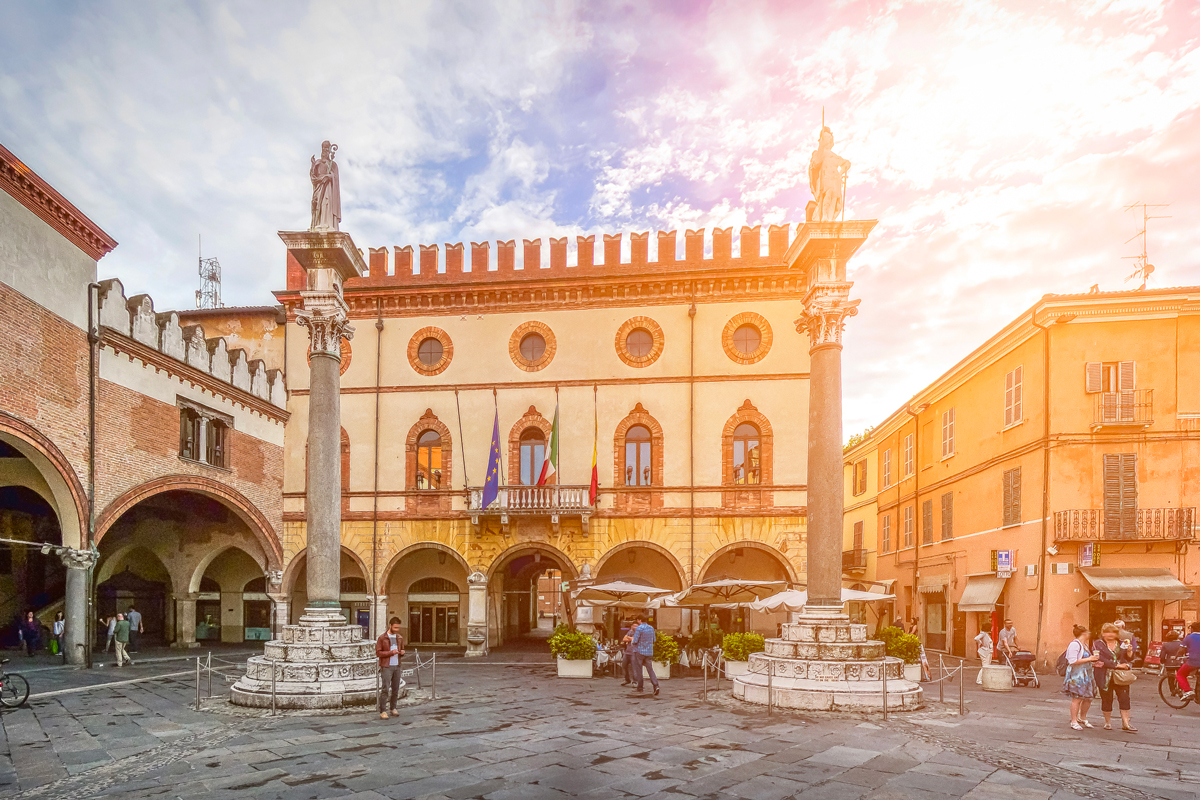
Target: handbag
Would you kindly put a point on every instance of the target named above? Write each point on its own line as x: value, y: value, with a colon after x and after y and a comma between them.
x: 1122, y: 677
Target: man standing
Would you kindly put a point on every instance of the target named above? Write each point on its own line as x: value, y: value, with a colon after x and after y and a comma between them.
x: 135, y: 628
x: 643, y: 653
x: 983, y: 641
x: 121, y: 639
x: 1008, y: 638
x: 389, y: 648
x: 627, y: 652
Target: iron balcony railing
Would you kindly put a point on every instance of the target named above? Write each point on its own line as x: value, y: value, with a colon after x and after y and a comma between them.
x: 533, y: 500
x: 854, y: 559
x: 1145, y: 524
x: 1129, y: 407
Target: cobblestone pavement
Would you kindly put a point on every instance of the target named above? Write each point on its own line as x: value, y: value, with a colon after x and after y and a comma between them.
x: 513, y: 730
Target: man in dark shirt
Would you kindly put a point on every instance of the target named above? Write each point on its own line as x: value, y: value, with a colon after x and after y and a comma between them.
x: 1191, y: 660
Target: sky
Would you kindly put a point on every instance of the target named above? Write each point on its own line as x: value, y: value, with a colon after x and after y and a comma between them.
x: 997, y: 143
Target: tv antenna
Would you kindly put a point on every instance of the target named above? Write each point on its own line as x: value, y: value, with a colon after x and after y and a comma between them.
x: 209, y: 293
x: 1142, y: 268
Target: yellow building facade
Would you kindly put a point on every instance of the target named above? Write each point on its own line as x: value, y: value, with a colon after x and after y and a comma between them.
x: 1068, y: 442
x: 682, y: 370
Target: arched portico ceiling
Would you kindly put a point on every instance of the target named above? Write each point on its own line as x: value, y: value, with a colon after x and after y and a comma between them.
x: 68, y: 498
x: 555, y: 555
x: 415, y: 548
x: 210, y: 558
x: 232, y: 499
x: 707, y: 571
x: 611, y: 563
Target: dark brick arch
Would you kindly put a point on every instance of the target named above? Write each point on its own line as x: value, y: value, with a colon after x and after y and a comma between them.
x: 15, y: 426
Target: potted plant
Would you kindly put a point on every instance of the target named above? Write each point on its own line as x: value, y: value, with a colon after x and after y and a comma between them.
x: 737, y: 647
x: 574, y: 651
x: 904, y: 646
x: 666, y: 653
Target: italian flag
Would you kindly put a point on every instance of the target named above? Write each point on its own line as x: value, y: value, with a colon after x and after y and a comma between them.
x: 549, y: 466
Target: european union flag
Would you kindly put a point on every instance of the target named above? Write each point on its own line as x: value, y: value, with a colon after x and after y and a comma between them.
x: 491, y: 486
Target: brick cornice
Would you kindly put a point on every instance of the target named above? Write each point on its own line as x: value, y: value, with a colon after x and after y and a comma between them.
x: 120, y: 343
x: 55, y: 210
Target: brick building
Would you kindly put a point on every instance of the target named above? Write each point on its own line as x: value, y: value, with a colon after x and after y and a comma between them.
x: 152, y: 453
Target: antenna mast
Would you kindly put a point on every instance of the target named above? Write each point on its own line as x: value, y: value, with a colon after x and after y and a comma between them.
x: 209, y: 293
x: 1142, y: 268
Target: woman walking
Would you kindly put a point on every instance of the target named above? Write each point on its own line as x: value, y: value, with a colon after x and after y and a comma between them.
x: 1112, y: 662
x: 1080, y: 683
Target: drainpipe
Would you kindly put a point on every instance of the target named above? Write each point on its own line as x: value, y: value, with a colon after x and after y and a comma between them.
x: 917, y: 533
x: 375, y: 476
x: 692, y: 438
x: 1045, y: 477
x: 93, y: 369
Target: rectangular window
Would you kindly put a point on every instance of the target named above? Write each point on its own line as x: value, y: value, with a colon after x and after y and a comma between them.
x: 1012, y: 397
x: 885, y: 534
x: 858, y: 535
x: 1012, y: 496
x: 204, y: 434
x: 908, y: 455
x: 908, y: 526
x: 927, y: 522
x: 859, y: 479
x: 948, y: 433
x: 1115, y: 381
x: 947, y: 516
x: 885, y: 474
x: 1120, y: 495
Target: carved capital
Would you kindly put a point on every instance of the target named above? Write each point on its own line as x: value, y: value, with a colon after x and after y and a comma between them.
x: 477, y: 579
x: 324, y: 314
x: 78, y: 559
x: 827, y: 306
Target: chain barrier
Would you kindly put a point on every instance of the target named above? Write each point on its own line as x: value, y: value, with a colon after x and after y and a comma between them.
x: 229, y: 671
x: 429, y: 663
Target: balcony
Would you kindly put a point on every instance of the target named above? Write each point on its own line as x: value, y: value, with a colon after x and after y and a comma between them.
x: 854, y: 560
x: 1134, y: 407
x: 1147, y: 525
x: 533, y: 501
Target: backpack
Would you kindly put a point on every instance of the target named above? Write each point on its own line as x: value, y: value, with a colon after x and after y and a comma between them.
x: 1062, y: 664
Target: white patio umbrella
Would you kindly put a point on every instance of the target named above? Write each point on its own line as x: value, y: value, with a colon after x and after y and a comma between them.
x: 618, y: 593
x: 728, y: 590
x: 794, y: 599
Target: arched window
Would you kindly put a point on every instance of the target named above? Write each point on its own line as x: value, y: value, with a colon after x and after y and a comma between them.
x: 353, y: 586
x: 747, y: 455
x: 638, y: 461
x: 533, y: 452
x: 429, y: 460
x: 433, y: 586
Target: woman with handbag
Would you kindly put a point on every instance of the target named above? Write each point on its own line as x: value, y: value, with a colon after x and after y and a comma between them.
x: 1080, y: 683
x: 1113, y: 676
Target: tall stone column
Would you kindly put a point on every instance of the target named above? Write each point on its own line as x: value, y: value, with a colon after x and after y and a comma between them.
x: 79, y: 564
x: 826, y: 309
x: 185, y: 621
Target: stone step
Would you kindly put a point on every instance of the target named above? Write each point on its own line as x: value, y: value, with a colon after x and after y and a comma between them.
x: 812, y: 631
x: 283, y: 651
x: 822, y: 651
x: 821, y: 695
x: 331, y: 634
x: 815, y: 669
x: 259, y: 668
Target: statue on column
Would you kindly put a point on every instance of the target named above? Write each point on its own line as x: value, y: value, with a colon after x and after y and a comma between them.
x: 327, y: 190
x: 827, y: 179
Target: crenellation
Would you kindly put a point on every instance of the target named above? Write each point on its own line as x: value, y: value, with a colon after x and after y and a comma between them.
x: 454, y: 258
x: 639, y: 245
x: 170, y: 335
x: 751, y: 245
x: 218, y: 357
x: 612, y: 249
x: 666, y: 247
x: 429, y: 261
x: 258, y: 379
x: 722, y: 244
x: 694, y: 245
x: 143, y: 323
x: 241, y: 369
x: 403, y: 268
x: 777, y: 241
x: 377, y: 264
x: 585, y: 256
x: 196, y: 348
x: 506, y: 256
x: 480, y: 251
x: 531, y: 257
x: 558, y: 254
x: 114, y: 308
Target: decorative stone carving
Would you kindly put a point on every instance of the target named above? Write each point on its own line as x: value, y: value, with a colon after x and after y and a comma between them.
x: 326, y: 329
x: 827, y: 179
x: 78, y: 559
x: 327, y: 190
x: 826, y: 309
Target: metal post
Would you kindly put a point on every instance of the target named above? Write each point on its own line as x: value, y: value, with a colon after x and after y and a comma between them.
x: 885, y: 703
x: 962, y: 702
x: 705, y: 667
x: 435, y: 676
x: 210, y: 673
x: 941, y: 678
x: 197, y: 683
x: 417, y: 668
x: 273, y: 669
x: 770, y: 683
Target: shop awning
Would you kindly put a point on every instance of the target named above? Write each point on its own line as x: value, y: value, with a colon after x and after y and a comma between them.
x: 932, y: 584
x: 981, y: 593
x: 1136, y: 584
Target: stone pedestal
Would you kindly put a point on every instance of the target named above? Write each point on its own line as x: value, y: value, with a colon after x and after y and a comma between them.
x: 321, y: 663
x: 824, y: 663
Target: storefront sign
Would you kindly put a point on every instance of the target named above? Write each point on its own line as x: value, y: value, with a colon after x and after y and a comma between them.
x: 1085, y: 554
x: 1004, y: 563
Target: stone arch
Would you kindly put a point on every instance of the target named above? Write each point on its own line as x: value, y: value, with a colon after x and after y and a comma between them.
x: 299, y: 560
x: 532, y: 419
x: 204, y: 563
x: 69, y: 499
x: 747, y: 413
x: 386, y: 575
x: 712, y: 560
x: 232, y: 499
x: 557, y: 555
x: 428, y: 422
x: 658, y: 549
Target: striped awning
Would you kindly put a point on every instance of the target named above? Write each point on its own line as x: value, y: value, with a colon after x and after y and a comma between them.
x: 1136, y: 584
x: 981, y: 593
x: 932, y: 584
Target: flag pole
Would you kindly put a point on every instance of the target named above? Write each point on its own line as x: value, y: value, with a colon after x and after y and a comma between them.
x: 462, y: 443
x: 496, y: 405
x: 557, y: 437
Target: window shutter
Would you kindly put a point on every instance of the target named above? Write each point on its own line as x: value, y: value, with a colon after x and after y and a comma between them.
x: 886, y: 537
x: 858, y: 535
x: 1093, y: 372
x: 210, y: 442
x: 1127, y: 376
x: 1018, y: 388
x: 948, y: 516
x: 1128, y: 495
x: 1015, y: 480
x: 927, y: 522
x: 1112, y: 496
x: 1108, y: 407
x: 1008, y: 399
x: 1006, y: 506
x: 862, y: 478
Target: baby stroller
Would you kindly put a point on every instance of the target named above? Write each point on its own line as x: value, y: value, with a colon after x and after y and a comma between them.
x: 1021, y: 664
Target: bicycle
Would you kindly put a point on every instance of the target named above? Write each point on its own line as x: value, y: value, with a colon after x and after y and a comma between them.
x: 1169, y: 691
x: 14, y: 689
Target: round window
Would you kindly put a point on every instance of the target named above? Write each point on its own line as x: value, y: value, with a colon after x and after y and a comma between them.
x: 747, y: 339
x: 430, y: 352
x: 533, y: 347
x: 639, y: 343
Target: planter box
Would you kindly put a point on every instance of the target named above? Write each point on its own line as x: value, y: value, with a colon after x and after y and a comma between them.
x: 574, y: 669
x: 663, y: 671
x: 735, y: 668
x: 912, y: 672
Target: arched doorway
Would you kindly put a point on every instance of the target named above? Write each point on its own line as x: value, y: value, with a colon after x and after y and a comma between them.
x: 749, y: 561
x: 134, y: 576
x: 223, y: 611
x: 30, y: 580
x: 354, y: 596
x: 200, y: 546
x: 512, y: 593
x: 647, y: 564
x: 426, y: 587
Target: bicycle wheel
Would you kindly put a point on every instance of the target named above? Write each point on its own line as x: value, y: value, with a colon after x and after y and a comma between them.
x: 1170, y: 692
x: 14, y: 691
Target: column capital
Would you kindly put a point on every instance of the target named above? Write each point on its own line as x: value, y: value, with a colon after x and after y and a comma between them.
x: 827, y: 306
x: 78, y: 559
x: 324, y: 314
